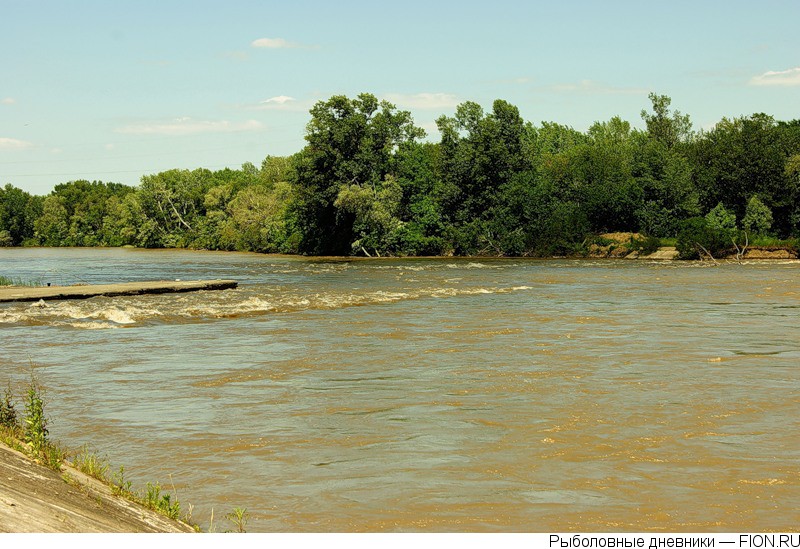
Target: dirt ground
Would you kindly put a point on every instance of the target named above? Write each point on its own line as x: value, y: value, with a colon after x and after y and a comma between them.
x: 34, y: 498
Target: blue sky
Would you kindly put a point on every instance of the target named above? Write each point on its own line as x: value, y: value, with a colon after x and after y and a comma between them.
x: 113, y: 90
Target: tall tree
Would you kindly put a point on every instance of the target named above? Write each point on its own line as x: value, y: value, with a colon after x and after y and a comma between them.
x: 669, y: 128
x: 18, y: 212
x: 351, y: 142
x: 742, y: 158
x: 480, y: 153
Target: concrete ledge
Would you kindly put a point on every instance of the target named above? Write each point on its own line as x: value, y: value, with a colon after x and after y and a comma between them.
x: 19, y: 293
x: 34, y: 498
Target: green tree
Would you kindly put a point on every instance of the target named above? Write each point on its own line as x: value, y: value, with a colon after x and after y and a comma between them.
x: 18, y: 212
x: 479, y: 154
x: 350, y: 142
x: 74, y: 214
x: 172, y: 203
x: 668, y: 191
x: 52, y: 227
x: 668, y: 128
x: 259, y: 219
x: 721, y: 220
x: 609, y: 192
x: 120, y: 224
x: 375, y: 213
x: 700, y: 236
x: 792, y: 173
x: 742, y: 158
x: 276, y: 169
x: 757, y: 217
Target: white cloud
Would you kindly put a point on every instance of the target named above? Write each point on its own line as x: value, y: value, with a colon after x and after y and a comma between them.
x: 596, y: 88
x: 278, y: 103
x: 273, y: 43
x: 8, y: 101
x: 278, y: 100
x: 790, y: 77
x: 7, y: 143
x: 189, y: 126
x: 424, y: 101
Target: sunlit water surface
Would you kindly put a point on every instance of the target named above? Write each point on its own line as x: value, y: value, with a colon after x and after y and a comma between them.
x: 429, y: 394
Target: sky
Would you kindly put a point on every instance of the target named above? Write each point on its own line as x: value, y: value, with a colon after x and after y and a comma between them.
x: 114, y: 90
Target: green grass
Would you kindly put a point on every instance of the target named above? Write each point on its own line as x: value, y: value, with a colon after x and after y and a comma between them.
x: 90, y: 464
x: 13, y: 281
x: 161, y: 502
x: 669, y: 241
x: 239, y: 518
x: 30, y: 436
x: 772, y: 242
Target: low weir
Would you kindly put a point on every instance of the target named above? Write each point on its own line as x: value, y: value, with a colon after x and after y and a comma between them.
x: 19, y: 293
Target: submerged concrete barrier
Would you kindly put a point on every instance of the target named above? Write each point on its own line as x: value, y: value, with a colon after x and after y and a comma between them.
x: 19, y: 293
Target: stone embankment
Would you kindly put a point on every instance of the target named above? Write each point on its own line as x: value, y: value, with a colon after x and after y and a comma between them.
x: 34, y: 498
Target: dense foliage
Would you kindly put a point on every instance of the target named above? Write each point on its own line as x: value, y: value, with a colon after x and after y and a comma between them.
x: 495, y: 184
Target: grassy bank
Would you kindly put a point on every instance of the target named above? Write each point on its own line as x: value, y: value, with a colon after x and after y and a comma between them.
x: 26, y: 430
x: 24, y: 427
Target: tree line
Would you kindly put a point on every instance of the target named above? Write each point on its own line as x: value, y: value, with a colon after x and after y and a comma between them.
x: 367, y: 184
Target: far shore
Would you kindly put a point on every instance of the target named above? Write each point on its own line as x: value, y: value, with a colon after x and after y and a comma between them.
x: 617, y: 248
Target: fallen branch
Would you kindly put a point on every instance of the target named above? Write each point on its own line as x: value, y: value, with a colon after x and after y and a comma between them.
x: 707, y: 253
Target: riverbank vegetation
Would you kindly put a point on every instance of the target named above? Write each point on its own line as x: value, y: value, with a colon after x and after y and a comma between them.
x: 26, y: 430
x: 367, y: 184
x: 15, y: 281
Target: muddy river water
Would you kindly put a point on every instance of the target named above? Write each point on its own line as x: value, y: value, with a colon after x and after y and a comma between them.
x: 429, y: 394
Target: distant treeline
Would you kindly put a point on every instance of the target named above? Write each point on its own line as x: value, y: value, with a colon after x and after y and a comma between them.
x: 366, y: 184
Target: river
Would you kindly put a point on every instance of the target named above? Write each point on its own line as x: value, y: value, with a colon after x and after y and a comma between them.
x: 429, y: 395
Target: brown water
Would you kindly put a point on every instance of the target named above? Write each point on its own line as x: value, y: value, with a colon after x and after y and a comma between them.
x: 431, y: 395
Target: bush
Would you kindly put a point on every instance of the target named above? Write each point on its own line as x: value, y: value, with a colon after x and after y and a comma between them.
x: 35, y: 421
x: 757, y: 217
x: 697, y: 236
x: 721, y: 221
x: 8, y: 415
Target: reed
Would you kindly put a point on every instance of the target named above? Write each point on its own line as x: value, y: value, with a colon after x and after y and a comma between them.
x: 15, y: 281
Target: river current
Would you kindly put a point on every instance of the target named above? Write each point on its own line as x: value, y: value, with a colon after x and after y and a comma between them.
x: 476, y: 395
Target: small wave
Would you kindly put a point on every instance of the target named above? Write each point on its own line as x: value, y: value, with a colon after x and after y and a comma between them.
x: 390, y: 296
x: 77, y: 314
x: 117, y: 316
x: 255, y: 304
x: 415, y: 268
x: 10, y: 317
x: 93, y: 325
x: 94, y: 315
x: 224, y: 309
